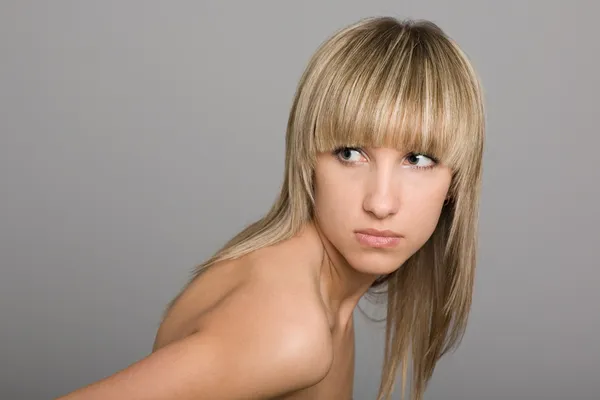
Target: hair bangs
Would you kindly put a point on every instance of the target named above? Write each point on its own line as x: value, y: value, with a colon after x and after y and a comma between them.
x: 409, y: 91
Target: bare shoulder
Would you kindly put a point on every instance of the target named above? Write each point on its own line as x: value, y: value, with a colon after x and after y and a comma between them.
x: 275, y: 314
x: 273, y: 285
x: 266, y: 324
x: 263, y: 337
x: 271, y: 328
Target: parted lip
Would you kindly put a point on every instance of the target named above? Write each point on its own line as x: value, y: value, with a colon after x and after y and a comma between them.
x: 376, y: 232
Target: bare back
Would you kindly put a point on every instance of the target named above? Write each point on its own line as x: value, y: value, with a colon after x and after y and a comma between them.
x: 243, y: 288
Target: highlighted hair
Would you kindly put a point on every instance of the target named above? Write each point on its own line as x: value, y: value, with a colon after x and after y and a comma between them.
x: 403, y: 84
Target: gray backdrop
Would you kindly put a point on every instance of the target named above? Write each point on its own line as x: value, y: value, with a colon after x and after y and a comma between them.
x: 136, y: 137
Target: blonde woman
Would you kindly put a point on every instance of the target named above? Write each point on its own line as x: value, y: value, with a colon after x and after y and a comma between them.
x: 381, y: 190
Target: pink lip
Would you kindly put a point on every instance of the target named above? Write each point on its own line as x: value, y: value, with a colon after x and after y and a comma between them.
x: 375, y: 232
x: 377, y: 238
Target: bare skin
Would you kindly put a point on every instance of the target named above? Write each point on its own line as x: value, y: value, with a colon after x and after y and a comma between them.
x: 252, y: 286
x: 247, y: 329
x: 277, y: 323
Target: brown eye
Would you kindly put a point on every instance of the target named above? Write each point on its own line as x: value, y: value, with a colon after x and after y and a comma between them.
x: 420, y: 161
x: 348, y: 154
x: 413, y: 159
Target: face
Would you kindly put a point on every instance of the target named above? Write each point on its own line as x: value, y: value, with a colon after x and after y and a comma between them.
x: 377, y: 206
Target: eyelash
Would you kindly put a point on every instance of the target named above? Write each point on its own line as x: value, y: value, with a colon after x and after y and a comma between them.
x: 337, y: 152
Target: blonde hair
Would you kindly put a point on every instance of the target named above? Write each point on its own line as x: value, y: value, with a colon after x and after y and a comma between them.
x: 403, y: 84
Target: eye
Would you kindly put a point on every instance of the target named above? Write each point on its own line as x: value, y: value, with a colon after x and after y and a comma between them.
x: 348, y: 154
x: 416, y: 160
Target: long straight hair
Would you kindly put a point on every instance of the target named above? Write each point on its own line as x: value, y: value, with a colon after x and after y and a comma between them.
x: 402, y: 84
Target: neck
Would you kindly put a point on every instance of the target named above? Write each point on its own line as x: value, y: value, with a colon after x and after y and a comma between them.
x: 342, y: 286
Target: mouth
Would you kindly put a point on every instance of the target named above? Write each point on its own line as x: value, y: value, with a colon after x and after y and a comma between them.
x: 377, y: 238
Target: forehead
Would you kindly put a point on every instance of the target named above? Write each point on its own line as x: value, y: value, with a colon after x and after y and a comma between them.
x: 399, y: 127
x: 412, y: 93
x: 409, y: 109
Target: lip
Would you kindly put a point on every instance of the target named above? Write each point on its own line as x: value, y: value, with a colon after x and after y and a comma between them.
x: 375, y: 232
x: 377, y: 239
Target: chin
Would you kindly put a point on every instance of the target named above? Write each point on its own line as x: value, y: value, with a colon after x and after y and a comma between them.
x: 375, y: 263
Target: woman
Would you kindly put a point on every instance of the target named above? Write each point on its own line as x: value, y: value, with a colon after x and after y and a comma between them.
x: 381, y: 190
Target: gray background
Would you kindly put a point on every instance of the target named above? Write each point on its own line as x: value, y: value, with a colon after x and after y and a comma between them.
x: 137, y: 137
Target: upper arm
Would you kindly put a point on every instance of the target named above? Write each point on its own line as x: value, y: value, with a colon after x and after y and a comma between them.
x: 250, y: 348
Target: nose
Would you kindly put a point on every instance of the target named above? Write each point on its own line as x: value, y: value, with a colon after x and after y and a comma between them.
x: 381, y: 199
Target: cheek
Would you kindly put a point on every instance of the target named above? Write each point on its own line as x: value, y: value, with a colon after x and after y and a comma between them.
x: 336, y: 203
x: 334, y: 197
x: 425, y: 210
